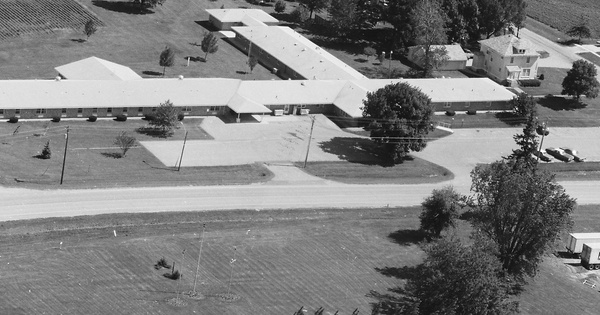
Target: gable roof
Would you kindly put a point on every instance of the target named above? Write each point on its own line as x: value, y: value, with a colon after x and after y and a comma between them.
x: 94, y: 68
x: 509, y: 45
x: 238, y: 15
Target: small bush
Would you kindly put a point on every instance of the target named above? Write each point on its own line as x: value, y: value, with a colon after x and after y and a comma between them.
x: 280, y: 6
x: 530, y: 83
x: 173, y: 276
x: 92, y: 118
x: 121, y: 117
x: 471, y: 112
x: 300, y: 14
x: 46, y: 152
x: 541, y: 77
x: 55, y: 119
x: 162, y: 263
x: 13, y: 119
x: 180, y: 116
x: 149, y: 117
x: 450, y: 112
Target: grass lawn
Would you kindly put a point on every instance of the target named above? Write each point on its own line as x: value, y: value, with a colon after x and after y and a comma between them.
x: 92, y: 160
x: 552, y: 83
x: 591, y: 58
x: 284, y: 260
x: 574, y: 170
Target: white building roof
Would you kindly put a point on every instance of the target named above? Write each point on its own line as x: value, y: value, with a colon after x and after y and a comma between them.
x: 298, y: 53
x: 49, y: 94
x: 507, y: 45
x: 282, y: 92
x: 237, y: 15
x: 94, y: 68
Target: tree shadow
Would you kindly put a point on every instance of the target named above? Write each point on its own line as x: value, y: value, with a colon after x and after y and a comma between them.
x: 356, y: 150
x: 569, y: 42
x: 241, y: 72
x: 153, y: 132
x: 509, y: 118
x: 558, y: 103
x: 194, y: 59
x: 361, y: 60
x: 154, y: 73
x: 408, y: 237
x: 78, y: 40
x: 128, y: 7
x: 114, y: 155
x: 403, y: 273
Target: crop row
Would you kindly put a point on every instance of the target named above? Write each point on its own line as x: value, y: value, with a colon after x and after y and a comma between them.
x: 20, y: 17
x: 563, y: 14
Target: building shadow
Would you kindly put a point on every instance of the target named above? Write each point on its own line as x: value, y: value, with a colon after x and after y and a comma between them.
x: 153, y: 132
x: 154, y: 73
x: 356, y: 150
x: 408, y: 237
x: 207, y: 25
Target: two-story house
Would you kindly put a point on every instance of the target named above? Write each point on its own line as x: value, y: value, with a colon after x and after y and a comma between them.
x: 507, y: 59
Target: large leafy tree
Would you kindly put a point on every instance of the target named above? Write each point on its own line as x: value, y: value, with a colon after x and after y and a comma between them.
x: 342, y: 15
x: 368, y: 13
x: 522, y: 209
x: 461, y: 23
x: 581, y: 80
x: 209, y: 44
x: 495, y: 15
x: 428, y: 25
x: 580, y: 31
x: 165, y: 117
x: 400, y: 119
x: 454, y: 279
x: 525, y: 106
x: 440, y: 210
x: 314, y: 5
x: 399, y: 14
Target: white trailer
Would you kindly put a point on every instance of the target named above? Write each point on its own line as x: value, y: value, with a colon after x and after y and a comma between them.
x: 576, y: 240
x: 590, y: 256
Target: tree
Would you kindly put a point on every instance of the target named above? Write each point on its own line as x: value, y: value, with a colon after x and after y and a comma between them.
x: 167, y: 58
x: 440, y: 210
x: 496, y: 15
x: 399, y: 14
x: 453, y: 279
x: 89, y: 28
x: 314, y: 5
x: 280, y: 6
x: 523, y: 105
x: 368, y: 13
x: 165, y: 117
x: 520, y: 208
x: 46, y: 153
x: 401, y: 118
x: 125, y: 142
x: 461, y: 22
x: 527, y: 141
x: 149, y: 3
x: 252, y: 62
x: 581, y: 80
x: 369, y: 51
x: 581, y: 30
x: 429, y: 29
x: 342, y: 15
x: 209, y: 44
x: 300, y: 14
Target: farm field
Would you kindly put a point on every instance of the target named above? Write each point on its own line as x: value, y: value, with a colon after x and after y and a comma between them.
x: 283, y: 260
x: 563, y: 14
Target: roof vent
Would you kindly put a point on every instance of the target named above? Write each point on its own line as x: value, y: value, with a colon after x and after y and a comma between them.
x: 57, y: 78
x: 180, y: 77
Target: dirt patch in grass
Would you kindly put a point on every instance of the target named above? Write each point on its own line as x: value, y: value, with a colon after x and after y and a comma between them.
x: 93, y: 160
x: 415, y: 171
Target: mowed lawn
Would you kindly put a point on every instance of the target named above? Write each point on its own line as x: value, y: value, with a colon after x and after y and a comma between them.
x: 92, y: 160
x: 133, y: 40
x: 283, y: 260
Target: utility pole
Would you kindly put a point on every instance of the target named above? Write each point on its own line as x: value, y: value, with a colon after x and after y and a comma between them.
x: 543, y: 131
x: 183, y: 148
x: 390, y: 66
x: 309, y: 138
x: 199, y: 255
x: 62, y: 173
x: 181, y: 273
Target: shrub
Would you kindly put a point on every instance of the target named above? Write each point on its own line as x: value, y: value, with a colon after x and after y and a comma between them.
x: 121, y: 117
x: 173, y: 276
x: 471, y: 112
x: 300, y: 14
x: 56, y: 119
x: 180, y: 116
x: 541, y: 77
x: 13, y: 119
x: 369, y: 51
x: 280, y: 6
x: 149, y: 117
x: 46, y: 153
x: 450, y: 112
x: 530, y: 83
x: 92, y: 118
x: 162, y: 263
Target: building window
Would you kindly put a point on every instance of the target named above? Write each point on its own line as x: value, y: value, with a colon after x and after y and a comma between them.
x: 94, y: 110
x: 447, y: 105
x: 140, y: 110
x: 40, y: 111
x: 79, y: 110
x: 124, y: 110
x: 526, y: 73
x: 214, y: 108
x: 109, y: 110
x: 512, y: 59
x: 467, y: 105
x: 528, y: 59
x: 18, y: 111
x: 187, y: 109
x: 64, y: 110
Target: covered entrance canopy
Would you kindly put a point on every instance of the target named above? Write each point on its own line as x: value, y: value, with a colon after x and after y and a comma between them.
x: 513, y: 72
x: 243, y: 105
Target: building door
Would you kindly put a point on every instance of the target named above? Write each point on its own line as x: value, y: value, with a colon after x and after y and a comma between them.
x: 286, y: 109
